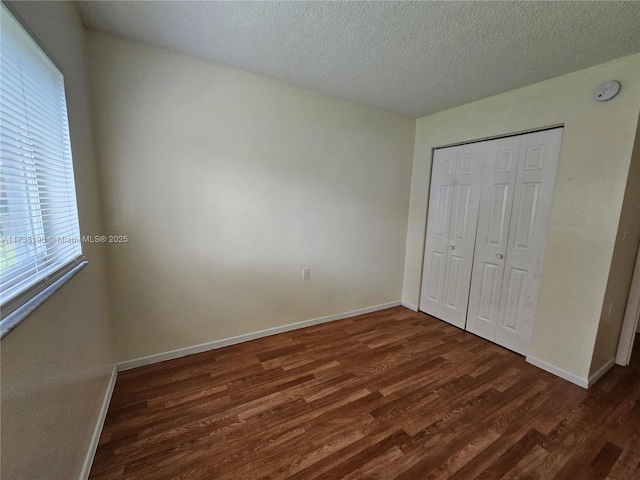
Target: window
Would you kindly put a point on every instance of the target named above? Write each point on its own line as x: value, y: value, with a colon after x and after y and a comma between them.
x: 39, y: 233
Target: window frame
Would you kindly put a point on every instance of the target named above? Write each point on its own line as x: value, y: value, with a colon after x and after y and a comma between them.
x: 16, y: 309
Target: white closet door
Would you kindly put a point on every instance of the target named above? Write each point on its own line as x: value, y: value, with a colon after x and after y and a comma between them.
x: 532, y: 200
x: 437, y: 240
x: 451, y: 228
x: 493, y: 230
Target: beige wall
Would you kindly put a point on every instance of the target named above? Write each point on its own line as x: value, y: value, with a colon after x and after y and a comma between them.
x: 57, y: 362
x: 621, y: 272
x: 594, y: 163
x: 228, y: 184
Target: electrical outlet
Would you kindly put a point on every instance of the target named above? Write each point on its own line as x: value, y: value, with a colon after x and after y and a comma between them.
x: 306, y: 273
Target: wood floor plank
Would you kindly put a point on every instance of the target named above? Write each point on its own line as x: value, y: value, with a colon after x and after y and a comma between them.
x: 391, y: 395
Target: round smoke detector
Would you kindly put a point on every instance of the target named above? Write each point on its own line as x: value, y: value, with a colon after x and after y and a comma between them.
x: 606, y: 91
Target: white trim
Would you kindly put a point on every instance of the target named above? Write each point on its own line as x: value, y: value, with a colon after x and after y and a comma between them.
x: 410, y: 306
x: 630, y: 322
x: 38, y: 294
x: 601, y: 371
x: 203, y: 347
x: 582, y: 382
x: 93, y: 446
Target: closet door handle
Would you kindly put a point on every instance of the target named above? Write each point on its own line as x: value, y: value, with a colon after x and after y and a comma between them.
x: 451, y: 247
x: 499, y: 256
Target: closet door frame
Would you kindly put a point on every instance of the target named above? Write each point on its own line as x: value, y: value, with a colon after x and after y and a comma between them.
x: 551, y: 187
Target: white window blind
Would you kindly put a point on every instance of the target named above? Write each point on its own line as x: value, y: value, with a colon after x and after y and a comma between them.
x: 39, y: 233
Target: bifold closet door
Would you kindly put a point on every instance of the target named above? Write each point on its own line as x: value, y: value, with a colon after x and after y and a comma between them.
x: 531, y: 211
x: 456, y: 180
x: 515, y: 206
x: 494, y: 217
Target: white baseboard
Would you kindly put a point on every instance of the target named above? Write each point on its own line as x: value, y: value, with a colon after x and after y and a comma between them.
x: 93, y: 446
x: 181, y: 352
x: 410, y: 306
x: 601, y: 371
x: 583, y: 382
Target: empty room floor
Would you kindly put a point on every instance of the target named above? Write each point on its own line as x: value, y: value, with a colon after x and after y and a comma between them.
x: 393, y: 394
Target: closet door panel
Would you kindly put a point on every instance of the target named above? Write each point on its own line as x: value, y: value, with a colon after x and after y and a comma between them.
x: 492, y: 234
x: 532, y: 201
x: 445, y: 291
x: 462, y: 237
x: 432, y: 298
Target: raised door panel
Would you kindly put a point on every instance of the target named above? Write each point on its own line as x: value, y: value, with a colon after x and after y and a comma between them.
x: 492, y: 234
x: 533, y: 196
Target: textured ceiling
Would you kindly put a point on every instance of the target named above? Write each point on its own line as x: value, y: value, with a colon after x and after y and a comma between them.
x: 414, y: 58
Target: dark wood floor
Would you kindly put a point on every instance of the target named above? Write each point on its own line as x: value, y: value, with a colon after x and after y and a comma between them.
x: 394, y: 394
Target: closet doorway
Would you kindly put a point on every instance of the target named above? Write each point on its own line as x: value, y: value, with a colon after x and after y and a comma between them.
x: 489, y: 208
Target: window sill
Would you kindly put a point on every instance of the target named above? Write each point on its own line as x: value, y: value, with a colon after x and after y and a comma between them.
x: 15, y: 318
